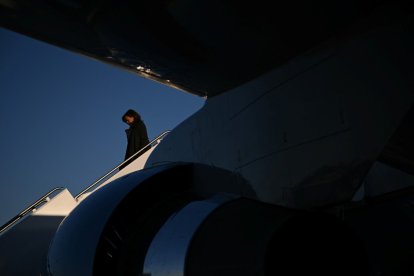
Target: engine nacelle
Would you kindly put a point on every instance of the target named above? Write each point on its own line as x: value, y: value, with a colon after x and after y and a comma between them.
x: 167, y: 220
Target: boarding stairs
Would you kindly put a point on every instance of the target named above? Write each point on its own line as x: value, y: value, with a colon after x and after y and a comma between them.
x: 27, y: 235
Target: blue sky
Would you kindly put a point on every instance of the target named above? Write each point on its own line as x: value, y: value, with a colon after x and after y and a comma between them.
x: 60, y: 118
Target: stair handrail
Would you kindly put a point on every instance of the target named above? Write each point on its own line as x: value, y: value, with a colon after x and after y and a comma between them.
x: 45, y: 198
x: 149, y: 145
x: 33, y: 206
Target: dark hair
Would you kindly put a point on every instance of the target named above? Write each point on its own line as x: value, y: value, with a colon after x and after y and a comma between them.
x: 131, y: 113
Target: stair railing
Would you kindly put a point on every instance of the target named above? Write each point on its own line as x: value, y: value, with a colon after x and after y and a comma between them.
x: 156, y: 141
x: 45, y: 198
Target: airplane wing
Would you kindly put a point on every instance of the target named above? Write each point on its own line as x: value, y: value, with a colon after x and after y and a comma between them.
x: 205, y: 47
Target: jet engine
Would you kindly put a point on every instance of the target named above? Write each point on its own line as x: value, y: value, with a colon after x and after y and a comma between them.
x: 166, y: 220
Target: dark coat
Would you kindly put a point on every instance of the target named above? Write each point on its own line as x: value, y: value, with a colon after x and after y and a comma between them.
x: 137, y: 138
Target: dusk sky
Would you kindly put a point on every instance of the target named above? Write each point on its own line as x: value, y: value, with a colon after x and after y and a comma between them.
x: 60, y: 118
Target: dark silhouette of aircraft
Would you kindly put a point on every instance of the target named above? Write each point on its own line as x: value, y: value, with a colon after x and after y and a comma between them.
x: 301, y: 160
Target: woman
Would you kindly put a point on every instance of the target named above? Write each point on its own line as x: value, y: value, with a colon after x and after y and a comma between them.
x: 136, y: 134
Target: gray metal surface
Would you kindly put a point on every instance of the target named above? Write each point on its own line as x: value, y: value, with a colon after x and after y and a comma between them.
x: 167, y: 252
x: 73, y: 248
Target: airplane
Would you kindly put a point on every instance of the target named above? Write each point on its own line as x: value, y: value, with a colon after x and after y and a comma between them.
x: 300, y: 161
